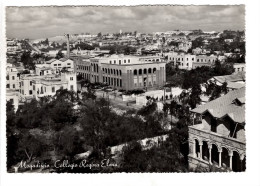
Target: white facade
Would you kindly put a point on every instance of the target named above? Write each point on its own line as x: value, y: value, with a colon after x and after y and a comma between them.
x: 12, y: 79
x: 239, y: 67
x: 59, y: 64
x: 35, y: 86
x: 158, y: 95
x: 188, y: 61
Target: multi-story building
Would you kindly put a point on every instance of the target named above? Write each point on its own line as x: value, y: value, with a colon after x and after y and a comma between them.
x: 36, y: 86
x: 54, y: 66
x: 12, y: 77
x: 188, y: 61
x: 218, y: 138
x: 123, y: 71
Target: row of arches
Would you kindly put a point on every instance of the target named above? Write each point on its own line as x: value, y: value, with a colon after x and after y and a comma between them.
x: 113, y: 81
x: 144, y: 71
x: 95, y: 67
x: 219, y: 156
x: 112, y: 71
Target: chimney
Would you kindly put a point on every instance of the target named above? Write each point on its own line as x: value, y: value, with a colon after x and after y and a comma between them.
x: 68, y: 45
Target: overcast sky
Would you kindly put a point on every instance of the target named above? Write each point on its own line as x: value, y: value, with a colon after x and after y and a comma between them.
x: 42, y: 22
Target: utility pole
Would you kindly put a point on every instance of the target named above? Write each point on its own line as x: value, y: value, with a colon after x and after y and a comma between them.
x: 164, y: 92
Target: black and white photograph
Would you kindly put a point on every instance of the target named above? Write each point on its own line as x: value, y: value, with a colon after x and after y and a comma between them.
x: 143, y: 89
x: 147, y: 89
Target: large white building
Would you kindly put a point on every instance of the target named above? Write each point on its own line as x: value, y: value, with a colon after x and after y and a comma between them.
x: 36, y: 86
x: 48, y: 78
x: 188, y: 61
x: 124, y: 71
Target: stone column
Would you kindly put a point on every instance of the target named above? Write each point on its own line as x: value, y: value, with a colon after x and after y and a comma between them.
x: 137, y: 77
x: 194, y: 149
x: 219, y: 158
x: 200, y: 143
x: 127, y: 80
x: 151, y: 75
x: 163, y: 75
x: 157, y: 72
x: 241, y: 162
x: 131, y: 80
x: 210, y: 147
x: 230, y: 159
x: 143, y: 78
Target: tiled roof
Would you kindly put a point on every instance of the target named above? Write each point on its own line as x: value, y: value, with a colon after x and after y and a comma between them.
x: 239, y: 76
x: 235, y: 85
x: 63, y: 59
x: 225, y: 106
x: 50, y: 61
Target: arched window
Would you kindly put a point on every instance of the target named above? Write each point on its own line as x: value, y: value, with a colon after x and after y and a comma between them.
x: 205, y: 151
x: 97, y: 67
x: 145, y: 71
x: 135, y: 72
x: 154, y: 70
x: 149, y: 70
x: 120, y: 72
x: 140, y: 71
x: 215, y: 155
x: 225, y: 158
x: 117, y: 72
x: 108, y: 71
x: 114, y: 72
x: 105, y: 70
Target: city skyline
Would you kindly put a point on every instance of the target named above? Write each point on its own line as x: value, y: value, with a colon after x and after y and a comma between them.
x: 52, y: 21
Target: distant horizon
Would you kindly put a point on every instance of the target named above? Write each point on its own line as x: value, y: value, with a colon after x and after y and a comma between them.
x: 46, y: 22
x: 118, y: 32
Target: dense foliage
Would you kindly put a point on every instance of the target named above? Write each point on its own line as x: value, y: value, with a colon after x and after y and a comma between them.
x: 64, y: 125
x: 187, y: 79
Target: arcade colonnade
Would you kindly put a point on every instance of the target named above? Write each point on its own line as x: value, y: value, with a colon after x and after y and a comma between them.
x: 219, y: 155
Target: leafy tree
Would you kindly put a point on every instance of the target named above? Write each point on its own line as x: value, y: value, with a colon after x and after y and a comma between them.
x: 29, y: 146
x: 99, y: 35
x: 194, y: 97
x: 84, y: 46
x: 59, y: 55
x: 10, y: 113
x: 62, y: 107
x: 223, y: 69
x: 89, y: 94
x: 150, y: 108
x: 27, y: 60
x: 198, y: 42
x: 28, y: 115
x: 12, y: 139
x: 68, y: 142
x: 163, y: 158
x: 93, y: 121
